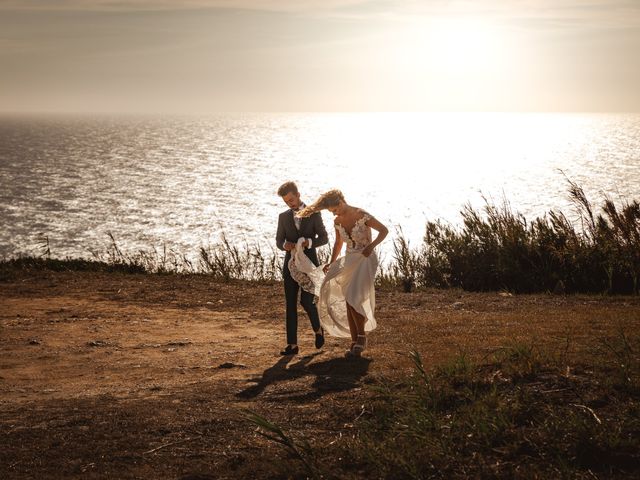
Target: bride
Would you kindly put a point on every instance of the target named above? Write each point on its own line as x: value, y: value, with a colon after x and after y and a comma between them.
x: 347, y: 297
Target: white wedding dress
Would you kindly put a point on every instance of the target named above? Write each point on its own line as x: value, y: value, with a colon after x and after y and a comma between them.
x: 350, y: 279
x: 304, y: 272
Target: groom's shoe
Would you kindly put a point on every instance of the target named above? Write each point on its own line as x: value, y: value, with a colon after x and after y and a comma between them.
x: 320, y: 338
x: 290, y: 350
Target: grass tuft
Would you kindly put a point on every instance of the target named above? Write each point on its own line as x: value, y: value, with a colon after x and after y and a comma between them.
x: 518, y: 415
x: 298, y: 449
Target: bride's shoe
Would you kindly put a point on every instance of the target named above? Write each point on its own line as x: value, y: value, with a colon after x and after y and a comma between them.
x: 359, y: 346
x: 349, y: 353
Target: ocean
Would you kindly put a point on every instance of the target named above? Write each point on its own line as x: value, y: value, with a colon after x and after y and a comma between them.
x: 181, y: 182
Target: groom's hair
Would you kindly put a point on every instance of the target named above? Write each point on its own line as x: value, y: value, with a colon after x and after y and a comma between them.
x: 287, y: 187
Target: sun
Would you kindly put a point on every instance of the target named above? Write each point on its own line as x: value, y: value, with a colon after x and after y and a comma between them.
x: 454, y: 46
x: 454, y: 62
x: 460, y: 45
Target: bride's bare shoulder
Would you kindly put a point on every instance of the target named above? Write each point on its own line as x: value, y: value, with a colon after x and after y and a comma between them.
x: 361, y: 212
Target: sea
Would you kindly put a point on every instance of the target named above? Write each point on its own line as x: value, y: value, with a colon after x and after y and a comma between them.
x: 182, y: 182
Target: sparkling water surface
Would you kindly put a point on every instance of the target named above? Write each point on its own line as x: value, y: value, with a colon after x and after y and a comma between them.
x: 183, y: 181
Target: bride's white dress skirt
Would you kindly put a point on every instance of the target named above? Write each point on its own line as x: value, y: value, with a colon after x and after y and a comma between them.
x: 350, y: 279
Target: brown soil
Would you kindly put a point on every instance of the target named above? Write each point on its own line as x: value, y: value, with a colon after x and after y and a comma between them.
x: 147, y: 376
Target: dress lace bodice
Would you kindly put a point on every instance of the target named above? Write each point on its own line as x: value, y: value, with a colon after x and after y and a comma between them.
x: 360, y: 235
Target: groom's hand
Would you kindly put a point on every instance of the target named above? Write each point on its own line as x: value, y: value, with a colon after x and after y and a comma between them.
x: 288, y: 246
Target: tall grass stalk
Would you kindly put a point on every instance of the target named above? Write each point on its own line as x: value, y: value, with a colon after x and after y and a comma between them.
x: 228, y: 261
x: 299, y: 449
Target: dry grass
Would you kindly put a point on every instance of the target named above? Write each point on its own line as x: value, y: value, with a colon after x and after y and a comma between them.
x: 498, y: 248
x: 495, y: 249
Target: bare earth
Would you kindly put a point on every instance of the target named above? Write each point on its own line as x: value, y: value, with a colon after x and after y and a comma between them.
x: 147, y: 376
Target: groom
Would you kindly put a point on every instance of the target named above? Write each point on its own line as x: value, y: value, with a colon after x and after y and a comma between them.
x: 290, y: 229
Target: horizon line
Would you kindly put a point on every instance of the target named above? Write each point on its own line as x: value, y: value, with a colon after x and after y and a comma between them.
x: 254, y: 112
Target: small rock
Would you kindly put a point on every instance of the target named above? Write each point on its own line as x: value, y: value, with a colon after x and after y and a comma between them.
x: 97, y: 343
x: 34, y: 341
x: 231, y: 365
x: 457, y: 305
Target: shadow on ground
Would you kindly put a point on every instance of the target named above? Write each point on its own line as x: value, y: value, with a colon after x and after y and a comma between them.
x: 331, y: 376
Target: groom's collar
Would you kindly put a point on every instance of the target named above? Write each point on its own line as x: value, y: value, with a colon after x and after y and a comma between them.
x: 302, y: 205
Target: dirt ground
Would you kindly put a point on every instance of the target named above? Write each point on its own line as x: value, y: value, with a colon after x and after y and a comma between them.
x: 147, y: 376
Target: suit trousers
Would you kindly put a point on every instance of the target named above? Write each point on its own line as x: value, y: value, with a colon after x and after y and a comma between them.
x: 291, y: 289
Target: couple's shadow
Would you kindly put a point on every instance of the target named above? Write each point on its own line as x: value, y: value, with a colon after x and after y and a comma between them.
x: 334, y: 375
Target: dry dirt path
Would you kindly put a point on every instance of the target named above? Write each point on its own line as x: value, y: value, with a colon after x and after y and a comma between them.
x: 146, y: 376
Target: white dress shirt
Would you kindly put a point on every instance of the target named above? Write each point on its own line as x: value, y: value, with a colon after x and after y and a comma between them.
x: 297, y: 221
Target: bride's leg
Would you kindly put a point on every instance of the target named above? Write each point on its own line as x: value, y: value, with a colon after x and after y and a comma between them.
x: 353, y: 330
x: 352, y: 324
x: 359, y: 321
x: 356, y: 323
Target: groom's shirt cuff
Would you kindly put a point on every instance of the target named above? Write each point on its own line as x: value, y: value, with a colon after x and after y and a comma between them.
x: 310, y: 240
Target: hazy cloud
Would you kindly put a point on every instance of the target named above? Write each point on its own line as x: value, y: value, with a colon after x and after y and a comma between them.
x: 150, y: 5
x: 559, y: 13
x: 319, y: 55
x: 603, y: 13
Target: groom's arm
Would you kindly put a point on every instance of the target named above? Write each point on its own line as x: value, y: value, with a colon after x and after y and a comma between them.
x: 280, y: 237
x: 321, y: 236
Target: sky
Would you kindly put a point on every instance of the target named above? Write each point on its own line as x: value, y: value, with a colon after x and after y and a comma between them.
x: 205, y: 56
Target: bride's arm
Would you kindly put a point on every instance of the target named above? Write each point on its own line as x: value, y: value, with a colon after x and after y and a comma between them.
x: 337, y: 248
x: 382, y: 233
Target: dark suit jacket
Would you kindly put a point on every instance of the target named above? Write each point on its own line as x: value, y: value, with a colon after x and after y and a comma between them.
x: 310, y: 227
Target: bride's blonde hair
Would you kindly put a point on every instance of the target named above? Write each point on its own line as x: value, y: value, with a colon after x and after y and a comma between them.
x: 328, y: 199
